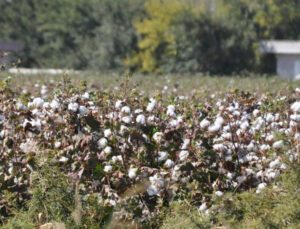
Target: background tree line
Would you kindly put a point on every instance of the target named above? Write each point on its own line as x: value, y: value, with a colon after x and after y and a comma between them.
x: 216, y: 36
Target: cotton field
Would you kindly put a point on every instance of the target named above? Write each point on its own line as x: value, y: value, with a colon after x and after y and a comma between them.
x: 135, y: 154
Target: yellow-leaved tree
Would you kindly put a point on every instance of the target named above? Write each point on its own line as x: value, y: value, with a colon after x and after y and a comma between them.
x: 156, y: 38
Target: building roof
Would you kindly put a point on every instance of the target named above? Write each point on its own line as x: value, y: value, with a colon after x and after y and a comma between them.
x: 280, y: 47
x: 11, y: 46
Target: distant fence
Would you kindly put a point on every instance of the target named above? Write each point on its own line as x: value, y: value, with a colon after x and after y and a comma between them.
x: 37, y: 71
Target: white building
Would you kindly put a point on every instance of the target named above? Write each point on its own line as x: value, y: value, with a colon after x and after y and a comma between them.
x: 287, y: 55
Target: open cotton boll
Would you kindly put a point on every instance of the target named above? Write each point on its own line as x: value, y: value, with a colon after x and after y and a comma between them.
x: 219, y: 193
x: 169, y: 163
x: 132, y: 173
x: 55, y: 105
x: 83, y: 110
x: 152, y: 190
x: 126, y: 119
x: 171, y: 111
x: 107, y: 168
x: 107, y: 150
x: 275, y: 164
x: 183, y: 155
x: 203, y: 207
x: 186, y: 143
x: 278, y: 144
x: 118, y: 104
x: 214, y: 128
x: 102, y: 143
x: 107, y: 133
x: 85, y: 95
x: 116, y: 159
x: 295, y: 117
x: 261, y: 187
x: 140, y: 119
x: 270, y: 118
x: 37, y: 102
x: 73, y: 107
x: 20, y: 106
x: 126, y: 109
x: 157, y: 137
x: 204, y: 123
x: 151, y: 105
x: 296, y: 107
x: 162, y: 156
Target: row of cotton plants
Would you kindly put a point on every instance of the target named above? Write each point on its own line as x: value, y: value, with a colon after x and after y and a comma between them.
x: 171, y: 147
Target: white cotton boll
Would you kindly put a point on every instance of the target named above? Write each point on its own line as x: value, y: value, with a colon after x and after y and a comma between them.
x: 44, y: 90
x: 157, y: 181
x: 186, y: 143
x: 259, y: 174
x: 203, y: 207
x: 55, y: 105
x: 116, y: 159
x: 270, y: 118
x: 174, y: 123
x: 278, y: 144
x: 151, y: 105
x: 228, y: 158
x: 295, y: 117
x: 219, y: 121
x: 20, y: 106
x: 171, y: 107
x: 126, y: 109
x: 118, y: 104
x: 226, y: 136
x: 219, y: 193
x: 296, y: 107
x: 123, y: 129
x: 107, y: 168
x: 255, y: 112
x: 63, y: 159
x: 73, y: 107
x: 138, y: 111
x: 85, y: 95
x: 107, y: 150
x: 126, y: 119
x: 219, y: 147
x: 270, y: 138
x: 283, y: 166
x: 140, y: 119
x: 171, y: 111
x: 102, y: 143
x: 214, y: 128
x: 37, y: 124
x: 57, y: 145
x: 157, y: 137
x: 271, y: 175
x: 293, y: 124
x: 183, y: 155
x: 83, y: 110
x: 204, y: 123
x: 169, y: 163
x: 132, y: 173
x: 236, y: 113
x: 275, y: 164
x: 107, y: 133
x: 241, y: 179
x: 244, y: 125
x: 152, y: 190
x: 230, y: 175
x: 37, y: 102
x: 250, y: 147
x: 264, y: 147
x: 261, y: 187
x: 162, y: 156
x: 297, y: 137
